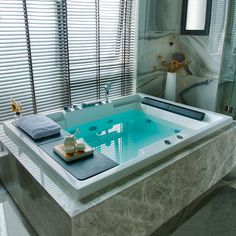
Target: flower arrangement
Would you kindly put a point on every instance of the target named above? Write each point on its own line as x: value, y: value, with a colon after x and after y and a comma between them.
x: 16, y: 107
x: 178, y: 61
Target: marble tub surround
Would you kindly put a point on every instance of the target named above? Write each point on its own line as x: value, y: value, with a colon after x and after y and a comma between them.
x: 92, y: 174
x: 136, y: 205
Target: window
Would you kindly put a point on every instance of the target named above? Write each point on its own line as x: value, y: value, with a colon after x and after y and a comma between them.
x: 60, y: 52
x: 14, y: 68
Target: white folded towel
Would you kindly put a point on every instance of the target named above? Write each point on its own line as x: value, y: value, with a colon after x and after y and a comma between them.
x: 38, y: 126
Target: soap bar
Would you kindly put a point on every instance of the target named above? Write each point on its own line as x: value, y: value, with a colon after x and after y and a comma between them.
x: 38, y: 126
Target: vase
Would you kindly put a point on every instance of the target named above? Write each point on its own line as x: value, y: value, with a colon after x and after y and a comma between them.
x: 170, y: 88
x: 17, y: 116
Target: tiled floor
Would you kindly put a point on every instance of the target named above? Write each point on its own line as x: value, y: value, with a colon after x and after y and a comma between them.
x: 216, y: 218
x: 12, y: 223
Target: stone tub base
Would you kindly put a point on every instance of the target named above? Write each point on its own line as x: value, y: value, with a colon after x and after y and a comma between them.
x: 137, y: 205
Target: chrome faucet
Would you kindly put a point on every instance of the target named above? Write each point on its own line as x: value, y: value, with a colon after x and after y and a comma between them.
x: 107, y: 88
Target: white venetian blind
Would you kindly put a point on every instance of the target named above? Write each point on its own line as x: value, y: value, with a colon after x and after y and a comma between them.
x: 14, y: 70
x: 101, y: 47
x: 47, y: 55
x: 58, y: 52
x: 82, y: 43
x: 116, y: 46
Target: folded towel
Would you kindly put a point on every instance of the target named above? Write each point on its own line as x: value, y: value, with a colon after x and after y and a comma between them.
x: 38, y: 126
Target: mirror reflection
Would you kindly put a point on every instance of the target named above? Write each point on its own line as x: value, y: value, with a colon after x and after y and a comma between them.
x: 196, y: 15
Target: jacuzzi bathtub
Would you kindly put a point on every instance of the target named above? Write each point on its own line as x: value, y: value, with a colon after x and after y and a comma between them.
x: 201, y: 123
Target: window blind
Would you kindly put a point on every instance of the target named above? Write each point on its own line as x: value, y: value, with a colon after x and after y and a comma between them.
x: 82, y: 47
x: 61, y: 52
x: 101, y: 48
x: 14, y: 68
x: 116, y: 46
x: 47, y: 58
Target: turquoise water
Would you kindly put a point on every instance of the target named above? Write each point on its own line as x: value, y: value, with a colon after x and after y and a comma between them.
x: 121, y: 136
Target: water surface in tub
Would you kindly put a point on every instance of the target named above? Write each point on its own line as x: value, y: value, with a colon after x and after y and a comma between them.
x: 121, y: 136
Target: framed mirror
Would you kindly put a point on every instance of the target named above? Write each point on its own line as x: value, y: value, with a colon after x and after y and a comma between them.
x: 196, y: 17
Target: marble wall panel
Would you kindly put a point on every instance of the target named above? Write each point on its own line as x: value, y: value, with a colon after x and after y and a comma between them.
x: 205, y: 52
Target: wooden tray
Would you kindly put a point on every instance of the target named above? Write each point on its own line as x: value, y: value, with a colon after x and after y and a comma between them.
x: 59, y: 149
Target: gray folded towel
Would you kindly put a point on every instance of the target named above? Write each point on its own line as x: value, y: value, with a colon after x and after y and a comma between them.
x: 38, y: 126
